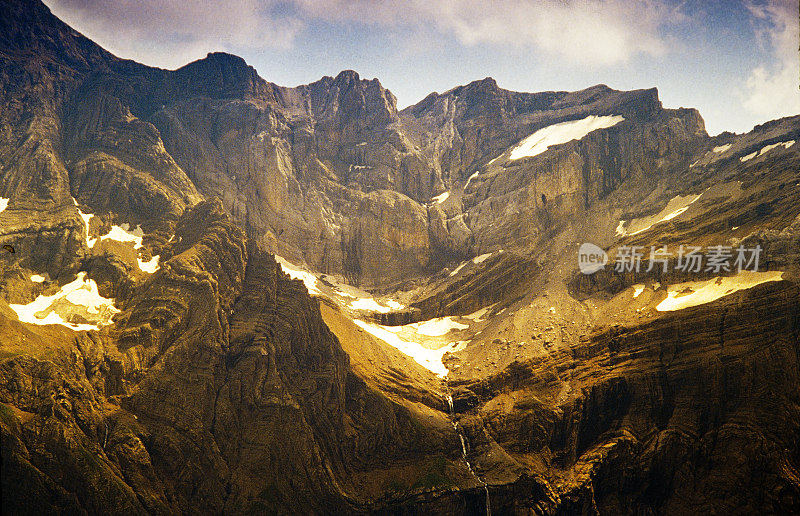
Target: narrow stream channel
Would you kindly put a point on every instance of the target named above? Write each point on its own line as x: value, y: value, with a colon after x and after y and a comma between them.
x: 464, y: 454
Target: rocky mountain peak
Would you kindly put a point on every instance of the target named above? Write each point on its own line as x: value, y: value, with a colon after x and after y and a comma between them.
x: 223, y: 59
x: 28, y: 27
x: 349, y: 77
x: 347, y: 99
x: 487, y: 85
x: 223, y: 75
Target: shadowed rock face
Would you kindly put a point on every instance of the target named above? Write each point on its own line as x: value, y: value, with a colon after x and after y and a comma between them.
x: 219, y: 389
x: 704, y: 394
x: 222, y: 385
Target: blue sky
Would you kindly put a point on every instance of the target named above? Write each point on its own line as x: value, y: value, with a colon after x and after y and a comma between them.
x: 736, y: 61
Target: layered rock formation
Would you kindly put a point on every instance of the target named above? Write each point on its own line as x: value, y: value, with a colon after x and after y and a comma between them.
x: 689, y: 413
x: 219, y: 389
x: 223, y: 385
x: 299, y: 167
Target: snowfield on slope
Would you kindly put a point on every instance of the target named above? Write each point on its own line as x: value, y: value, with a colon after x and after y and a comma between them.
x: 346, y: 295
x: 693, y: 293
x: 78, y: 298
x: 563, y: 132
x: 676, y: 206
x: 429, y: 358
x: 766, y: 149
x: 295, y: 272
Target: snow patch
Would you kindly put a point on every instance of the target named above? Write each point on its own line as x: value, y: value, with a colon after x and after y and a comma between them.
x: 37, y: 278
x: 295, y: 272
x: 441, y: 197
x: 150, y: 266
x: 394, y: 305
x: 120, y: 233
x: 438, y: 327
x: 676, y: 206
x: 478, y: 259
x: 748, y: 157
x: 469, y: 180
x: 79, y: 297
x: 430, y: 359
x: 458, y: 269
x: 693, y: 293
x: 123, y: 233
x: 3, y: 204
x: 637, y: 290
x: 87, y: 217
x: 482, y: 258
x: 367, y: 303
x: 722, y: 148
x: 563, y: 132
x: 766, y: 149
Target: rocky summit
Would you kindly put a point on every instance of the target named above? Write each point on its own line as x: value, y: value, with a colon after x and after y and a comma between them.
x: 221, y: 295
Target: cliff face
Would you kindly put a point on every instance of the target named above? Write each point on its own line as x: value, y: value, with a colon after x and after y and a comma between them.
x: 185, y: 371
x: 299, y: 181
x: 691, y: 413
x: 297, y: 167
x: 219, y: 388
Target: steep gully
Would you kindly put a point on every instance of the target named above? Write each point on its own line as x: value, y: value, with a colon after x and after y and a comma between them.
x: 463, y: 440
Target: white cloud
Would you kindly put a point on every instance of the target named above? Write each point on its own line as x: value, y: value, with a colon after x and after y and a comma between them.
x: 587, y: 32
x: 171, y: 33
x: 772, y: 89
x: 595, y: 32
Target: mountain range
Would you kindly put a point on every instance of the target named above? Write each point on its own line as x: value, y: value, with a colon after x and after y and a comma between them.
x: 222, y: 295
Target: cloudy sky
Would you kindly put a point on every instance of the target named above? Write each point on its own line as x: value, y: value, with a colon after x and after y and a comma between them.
x: 735, y: 60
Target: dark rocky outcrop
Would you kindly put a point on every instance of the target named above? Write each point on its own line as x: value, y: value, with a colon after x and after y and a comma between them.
x: 693, y: 412
x: 220, y: 389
